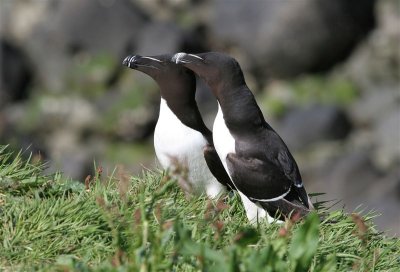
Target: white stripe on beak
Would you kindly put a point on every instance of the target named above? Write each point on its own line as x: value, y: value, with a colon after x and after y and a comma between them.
x: 195, y: 56
x: 150, y: 58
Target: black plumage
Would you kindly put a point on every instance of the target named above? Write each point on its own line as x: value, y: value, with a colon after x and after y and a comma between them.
x: 178, y: 88
x: 261, y: 166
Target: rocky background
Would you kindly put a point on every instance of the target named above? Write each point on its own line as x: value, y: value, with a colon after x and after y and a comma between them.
x: 326, y: 74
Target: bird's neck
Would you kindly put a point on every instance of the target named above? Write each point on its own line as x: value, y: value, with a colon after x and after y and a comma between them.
x: 239, y: 108
x: 187, y: 113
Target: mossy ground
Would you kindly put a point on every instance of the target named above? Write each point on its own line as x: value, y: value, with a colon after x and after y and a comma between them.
x: 129, y: 223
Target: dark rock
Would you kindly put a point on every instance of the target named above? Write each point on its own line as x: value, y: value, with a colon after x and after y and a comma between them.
x: 70, y: 112
x: 15, y: 73
x: 69, y: 154
x: 346, y: 178
x: 302, y: 127
x: 159, y: 38
x: 384, y: 197
x: 352, y: 175
x: 286, y: 38
x: 357, y: 183
x: 98, y: 26
x: 246, y: 19
x: 81, y: 30
x: 387, y: 140
x: 167, y: 37
x: 136, y: 124
x: 196, y: 40
x: 75, y: 163
x: 373, y: 105
x: 20, y: 139
x: 376, y: 63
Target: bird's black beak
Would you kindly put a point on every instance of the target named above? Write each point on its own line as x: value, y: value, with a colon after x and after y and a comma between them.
x: 136, y: 61
x: 183, y: 58
x: 130, y: 61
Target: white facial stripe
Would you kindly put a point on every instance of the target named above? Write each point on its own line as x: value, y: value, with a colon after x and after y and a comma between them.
x: 150, y: 58
x: 195, y: 56
x: 271, y: 199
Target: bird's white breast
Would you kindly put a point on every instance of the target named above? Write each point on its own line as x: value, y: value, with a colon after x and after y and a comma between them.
x: 172, y: 139
x: 223, y: 141
x: 224, y: 144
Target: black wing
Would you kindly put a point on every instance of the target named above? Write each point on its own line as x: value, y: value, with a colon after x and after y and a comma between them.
x: 283, y: 208
x: 216, y: 167
x: 262, y: 181
x: 257, y: 179
x: 291, y: 171
x: 279, y: 154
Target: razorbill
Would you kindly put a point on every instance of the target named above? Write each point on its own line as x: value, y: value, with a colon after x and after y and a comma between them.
x: 257, y: 160
x: 180, y: 133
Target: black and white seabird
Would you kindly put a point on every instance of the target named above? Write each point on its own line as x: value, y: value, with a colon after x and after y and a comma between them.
x: 180, y: 132
x: 258, y: 161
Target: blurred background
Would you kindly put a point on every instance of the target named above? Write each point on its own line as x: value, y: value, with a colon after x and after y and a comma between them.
x: 325, y: 73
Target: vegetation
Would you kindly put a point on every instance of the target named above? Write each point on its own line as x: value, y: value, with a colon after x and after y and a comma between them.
x: 307, y: 90
x: 123, y: 223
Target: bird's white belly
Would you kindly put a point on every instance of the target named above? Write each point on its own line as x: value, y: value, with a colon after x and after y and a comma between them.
x: 223, y: 141
x: 173, y: 141
x: 224, y: 144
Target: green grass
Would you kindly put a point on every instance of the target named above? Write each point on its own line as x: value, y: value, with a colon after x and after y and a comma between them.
x: 123, y: 223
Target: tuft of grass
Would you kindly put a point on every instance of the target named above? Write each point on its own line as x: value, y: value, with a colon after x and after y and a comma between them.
x: 125, y: 223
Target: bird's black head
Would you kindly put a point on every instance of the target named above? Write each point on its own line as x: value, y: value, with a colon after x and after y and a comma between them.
x: 216, y: 69
x: 177, y: 83
x: 171, y: 78
x: 150, y: 65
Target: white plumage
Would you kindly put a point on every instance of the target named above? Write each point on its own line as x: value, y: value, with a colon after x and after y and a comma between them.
x: 225, y: 144
x: 172, y: 139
